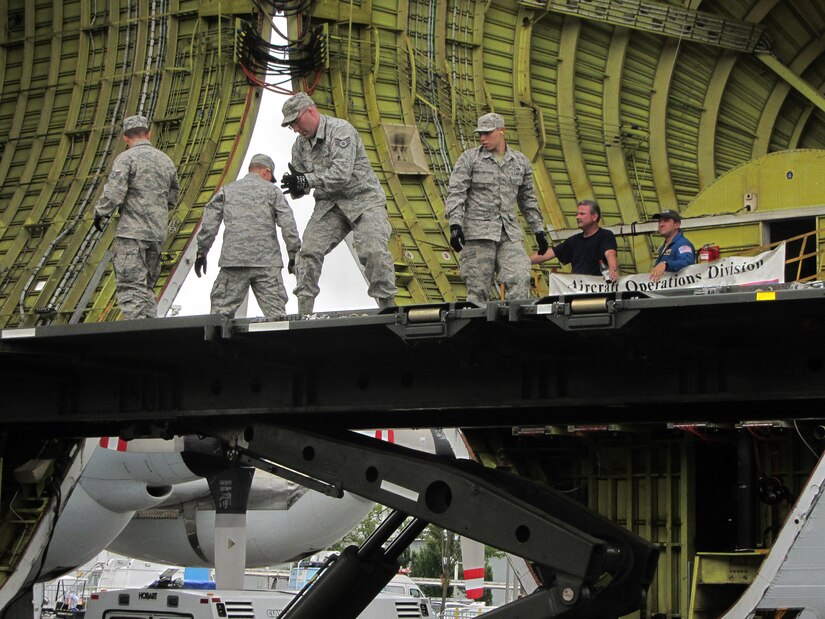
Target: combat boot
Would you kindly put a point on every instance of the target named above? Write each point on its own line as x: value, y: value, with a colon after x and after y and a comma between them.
x: 305, y: 305
x: 385, y: 303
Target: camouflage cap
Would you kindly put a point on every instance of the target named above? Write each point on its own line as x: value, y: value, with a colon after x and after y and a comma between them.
x: 488, y: 122
x: 262, y: 160
x: 135, y: 122
x: 294, y: 106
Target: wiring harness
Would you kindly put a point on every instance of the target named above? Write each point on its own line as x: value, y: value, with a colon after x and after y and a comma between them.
x: 303, y: 58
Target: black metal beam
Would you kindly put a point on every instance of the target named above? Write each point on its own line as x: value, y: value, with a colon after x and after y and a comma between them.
x: 726, y: 357
x: 570, y: 546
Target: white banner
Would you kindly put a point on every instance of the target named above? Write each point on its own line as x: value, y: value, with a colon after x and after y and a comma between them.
x: 766, y: 268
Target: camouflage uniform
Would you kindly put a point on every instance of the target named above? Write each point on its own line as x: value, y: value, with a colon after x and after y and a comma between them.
x: 143, y: 184
x: 481, y: 197
x: 348, y: 197
x: 251, y: 255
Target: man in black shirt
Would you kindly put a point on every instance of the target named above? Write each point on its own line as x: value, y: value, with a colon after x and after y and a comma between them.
x: 592, y: 252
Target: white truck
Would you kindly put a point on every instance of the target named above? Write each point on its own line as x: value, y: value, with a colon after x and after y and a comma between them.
x: 219, y: 604
x: 401, y: 584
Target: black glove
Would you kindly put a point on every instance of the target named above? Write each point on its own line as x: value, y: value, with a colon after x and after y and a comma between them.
x: 541, y: 239
x: 290, y: 267
x: 200, y: 263
x: 100, y: 221
x: 457, y: 237
x: 294, y: 183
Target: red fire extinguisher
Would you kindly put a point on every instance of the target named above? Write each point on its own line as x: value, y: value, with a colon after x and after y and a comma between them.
x: 708, y: 253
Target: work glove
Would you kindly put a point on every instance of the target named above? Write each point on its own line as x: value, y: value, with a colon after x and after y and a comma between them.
x: 541, y: 239
x: 290, y: 267
x: 294, y: 183
x: 100, y: 221
x: 456, y: 237
x: 200, y: 263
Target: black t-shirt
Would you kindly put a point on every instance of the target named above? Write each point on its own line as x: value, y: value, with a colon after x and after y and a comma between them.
x: 584, y: 253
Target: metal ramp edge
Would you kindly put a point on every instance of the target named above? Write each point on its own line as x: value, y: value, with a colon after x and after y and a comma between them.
x: 793, y: 575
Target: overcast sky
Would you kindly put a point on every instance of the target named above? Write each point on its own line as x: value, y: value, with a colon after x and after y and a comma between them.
x: 342, y: 284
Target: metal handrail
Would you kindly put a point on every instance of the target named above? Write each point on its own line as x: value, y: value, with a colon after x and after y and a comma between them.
x: 803, y: 254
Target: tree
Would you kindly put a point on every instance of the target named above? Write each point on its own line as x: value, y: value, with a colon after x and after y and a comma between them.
x: 363, y: 529
x: 438, y: 558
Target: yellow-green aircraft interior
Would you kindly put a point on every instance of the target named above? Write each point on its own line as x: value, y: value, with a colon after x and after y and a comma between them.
x: 714, y: 109
x: 69, y: 73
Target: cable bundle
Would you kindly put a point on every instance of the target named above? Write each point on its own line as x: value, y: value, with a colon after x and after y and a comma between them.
x: 290, y: 60
x: 289, y: 7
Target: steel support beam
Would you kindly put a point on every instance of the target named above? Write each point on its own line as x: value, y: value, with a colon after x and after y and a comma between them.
x: 568, y: 120
x: 794, y: 80
x: 572, y: 547
x: 659, y: 161
x: 615, y: 146
x: 441, y: 365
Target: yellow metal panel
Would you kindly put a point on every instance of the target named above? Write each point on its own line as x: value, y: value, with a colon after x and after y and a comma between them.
x: 684, y: 113
x: 659, y: 162
x: 773, y: 105
x: 423, y: 245
x: 794, y: 80
x: 530, y: 122
x: 709, y: 119
x: 568, y: 121
x: 640, y: 256
x: 69, y: 76
x: 787, y: 179
x: 730, y: 239
x: 528, y: 126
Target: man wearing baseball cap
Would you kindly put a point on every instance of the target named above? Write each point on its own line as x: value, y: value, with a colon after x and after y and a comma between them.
x: 677, y: 252
x: 143, y: 184
x: 486, y: 185
x: 329, y: 157
x: 250, y: 209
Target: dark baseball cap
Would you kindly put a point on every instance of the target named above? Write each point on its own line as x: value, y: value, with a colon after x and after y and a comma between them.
x: 668, y: 215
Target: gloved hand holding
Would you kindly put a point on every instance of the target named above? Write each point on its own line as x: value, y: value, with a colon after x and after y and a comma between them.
x: 290, y: 267
x: 541, y: 239
x: 457, y: 237
x: 200, y: 263
x: 294, y: 183
x: 100, y: 221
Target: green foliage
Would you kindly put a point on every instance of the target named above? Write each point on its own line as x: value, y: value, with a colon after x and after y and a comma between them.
x: 363, y: 529
x: 437, y: 558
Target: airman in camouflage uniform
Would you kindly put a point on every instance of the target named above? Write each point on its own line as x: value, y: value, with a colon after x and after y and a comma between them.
x: 485, y: 185
x: 143, y: 184
x: 329, y: 156
x: 251, y: 255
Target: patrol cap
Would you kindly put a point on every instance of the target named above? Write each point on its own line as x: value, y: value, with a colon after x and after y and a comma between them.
x: 135, y: 122
x: 263, y: 161
x: 668, y: 215
x: 488, y: 122
x: 294, y: 106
